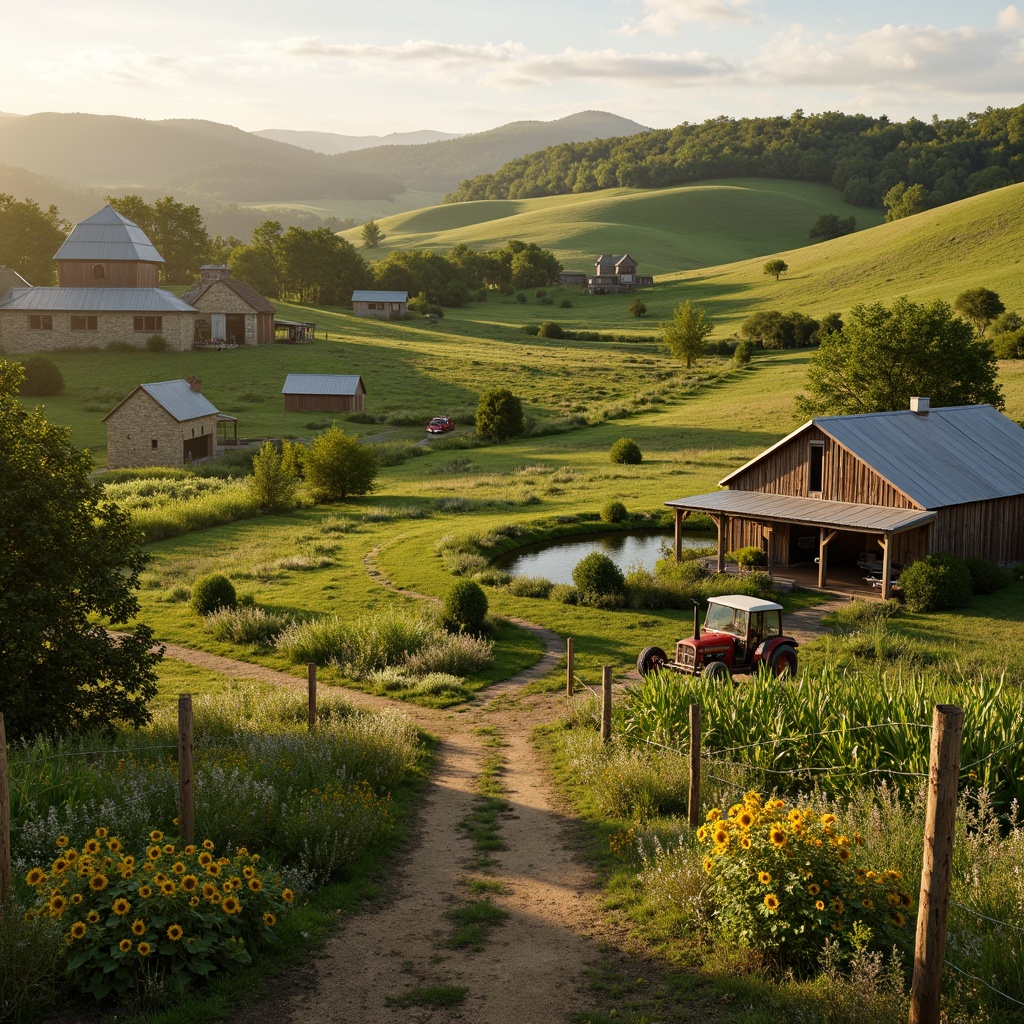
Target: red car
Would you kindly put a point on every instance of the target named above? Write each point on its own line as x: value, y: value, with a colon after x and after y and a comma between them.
x: 440, y: 425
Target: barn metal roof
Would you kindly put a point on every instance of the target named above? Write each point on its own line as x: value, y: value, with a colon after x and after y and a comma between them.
x: 321, y: 384
x: 108, y: 235
x: 180, y: 400
x: 371, y: 296
x: 95, y: 300
x: 947, y: 456
x: 781, y: 508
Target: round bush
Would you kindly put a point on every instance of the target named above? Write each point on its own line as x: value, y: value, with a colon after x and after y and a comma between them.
x: 627, y: 452
x: 42, y: 377
x: 464, y: 608
x: 156, y: 343
x: 744, y: 353
x: 614, y: 512
x: 550, y: 329
x: 935, y: 583
x: 597, y: 575
x: 986, y: 577
x: 212, y: 592
x: 747, y: 558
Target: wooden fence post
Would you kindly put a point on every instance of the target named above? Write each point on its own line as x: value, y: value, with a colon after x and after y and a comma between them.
x: 606, y: 703
x: 6, y: 876
x: 939, y: 826
x: 311, y: 685
x: 694, y: 804
x: 570, y: 666
x: 186, y: 787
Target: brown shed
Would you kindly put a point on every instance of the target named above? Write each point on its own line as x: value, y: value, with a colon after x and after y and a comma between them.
x: 230, y: 311
x: 323, y: 392
x: 884, y: 487
x: 168, y: 423
x: 380, y: 305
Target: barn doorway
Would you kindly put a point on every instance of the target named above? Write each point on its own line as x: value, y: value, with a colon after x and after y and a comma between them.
x: 197, y: 448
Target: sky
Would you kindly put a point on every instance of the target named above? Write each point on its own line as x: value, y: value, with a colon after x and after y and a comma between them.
x: 371, y: 68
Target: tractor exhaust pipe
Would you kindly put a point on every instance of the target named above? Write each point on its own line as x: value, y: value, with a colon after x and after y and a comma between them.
x: 696, y: 621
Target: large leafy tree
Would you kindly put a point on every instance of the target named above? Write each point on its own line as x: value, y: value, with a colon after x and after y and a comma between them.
x: 499, y: 415
x: 320, y: 267
x: 979, y: 305
x: 884, y: 355
x: 69, y: 564
x: 684, y: 334
x: 29, y: 237
x: 337, y: 466
x: 178, y: 232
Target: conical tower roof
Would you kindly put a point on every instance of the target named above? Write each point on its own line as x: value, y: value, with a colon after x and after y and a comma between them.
x: 108, y: 235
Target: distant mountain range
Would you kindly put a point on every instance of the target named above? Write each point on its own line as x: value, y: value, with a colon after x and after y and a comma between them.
x: 332, y: 144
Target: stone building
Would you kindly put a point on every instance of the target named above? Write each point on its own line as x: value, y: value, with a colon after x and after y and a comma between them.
x: 229, y: 311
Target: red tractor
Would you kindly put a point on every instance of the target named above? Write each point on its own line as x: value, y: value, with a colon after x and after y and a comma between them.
x: 740, y: 634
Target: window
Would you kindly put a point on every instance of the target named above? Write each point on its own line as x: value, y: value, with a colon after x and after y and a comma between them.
x: 149, y: 323
x: 153, y: 443
x: 817, y: 465
x: 40, y: 322
x: 375, y: 305
x: 83, y: 323
x: 99, y: 272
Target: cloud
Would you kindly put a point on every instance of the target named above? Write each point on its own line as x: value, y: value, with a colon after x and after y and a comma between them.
x: 121, y: 64
x: 668, y: 17
x: 1010, y: 18
x: 419, y: 51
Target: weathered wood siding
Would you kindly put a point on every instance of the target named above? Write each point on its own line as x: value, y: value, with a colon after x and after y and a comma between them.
x: 116, y: 274
x: 324, y: 403
x: 993, y: 530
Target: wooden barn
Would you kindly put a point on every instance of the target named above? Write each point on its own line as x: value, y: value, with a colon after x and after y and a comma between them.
x: 230, y: 311
x: 380, y: 305
x: 879, y: 488
x: 169, y: 423
x: 323, y: 392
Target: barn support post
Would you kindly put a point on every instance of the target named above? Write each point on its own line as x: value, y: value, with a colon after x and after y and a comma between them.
x: 722, y: 522
x: 887, y: 567
x: 681, y: 514
x: 769, y: 536
x: 825, y: 540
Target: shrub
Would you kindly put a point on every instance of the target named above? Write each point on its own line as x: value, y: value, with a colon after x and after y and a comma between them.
x: 156, y: 343
x: 499, y: 415
x: 246, y: 625
x: 565, y: 304
x: 935, y: 583
x: 454, y: 654
x: 597, y: 576
x: 212, y: 592
x: 986, y: 577
x: 638, y: 308
x: 275, y: 477
x: 613, y: 512
x: 42, y: 377
x: 520, y: 296
x: 464, y: 608
x: 747, y: 558
x: 550, y: 329
x: 540, y: 293
x: 337, y: 466
x: 626, y: 452
x: 744, y: 353
x: 529, y: 586
x: 564, y: 594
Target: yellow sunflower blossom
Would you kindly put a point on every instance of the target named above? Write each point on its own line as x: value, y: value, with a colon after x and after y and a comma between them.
x: 121, y: 906
x: 771, y: 901
x: 35, y: 877
x: 269, y: 920
x: 764, y: 878
x: 144, y: 948
x: 62, y: 840
x: 138, y: 927
x: 174, y: 932
x: 125, y: 945
x: 78, y: 930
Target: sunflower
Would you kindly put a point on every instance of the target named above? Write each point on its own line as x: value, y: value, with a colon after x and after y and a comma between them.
x: 72, y: 856
x: 35, y: 877
x: 231, y: 905
x: 904, y: 900
x: 745, y: 842
x: 138, y: 927
x: 721, y: 837
x: 59, y: 866
x: 178, y: 868
x: 745, y: 820
x: 287, y: 895
x: 114, y: 846
x: 899, y: 920
x: 91, y: 846
x: 813, y: 889
x: 207, y: 844
x: 764, y: 878
x: 893, y: 899
x: 213, y: 869
x: 194, y: 901
x: 205, y: 858
x: 771, y: 901
x: 101, y: 833
x: 866, y: 903
x: 843, y: 853
x: 62, y: 840
x: 156, y: 835
x: 168, y: 888
x: 76, y: 898
x: 121, y: 906
x: 145, y: 891
x: 98, y: 882
x: 93, y: 917
x: 702, y: 834
x: 174, y: 932
x: 838, y: 906
x: 269, y: 920
x: 778, y: 837
x: 249, y: 871
x: 255, y: 884
x: 153, y: 853
x: 708, y: 864
x: 190, y: 849
x: 125, y: 945
x: 189, y: 883
x: 169, y: 848
x: 819, y: 905
x: 224, y: 861
x: 242, y: 851
x: 57, y: 904
x: 228, y: 886
x: 209, y: 890
x: 828, y: 819
x: 78, y: 930
x: 144, y: 948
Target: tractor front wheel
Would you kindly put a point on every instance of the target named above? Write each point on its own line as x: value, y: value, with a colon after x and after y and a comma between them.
x: 717, y: 672
x: 650, y: 660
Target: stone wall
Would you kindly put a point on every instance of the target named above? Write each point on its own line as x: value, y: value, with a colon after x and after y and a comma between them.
x: 15, y: 336
x: 135, y: 425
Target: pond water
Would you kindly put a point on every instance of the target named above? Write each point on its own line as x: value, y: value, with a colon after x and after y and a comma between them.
x: 556, y: 559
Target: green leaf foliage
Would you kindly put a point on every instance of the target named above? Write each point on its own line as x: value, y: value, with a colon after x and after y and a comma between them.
x: 684, y: 334
x: 42, y: 377
x: 598, y: 576
x: 626, y: 451
x: 212, y: 592
x: 464, y: 608
x: 499, y: 415
x: 936, y: 583
x: 337, y: 466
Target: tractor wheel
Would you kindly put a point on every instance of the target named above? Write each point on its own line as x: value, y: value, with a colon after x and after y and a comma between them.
x: 717, y: 672
x: 782, y: 662
x: 649, y: 660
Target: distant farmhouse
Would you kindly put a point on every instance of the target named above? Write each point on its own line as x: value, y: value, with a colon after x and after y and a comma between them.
x: 876, y: 491
x: 169, y: 423
x: 380, y: 305
x: 108, y: 272
x: 611, y: 274
x: 323, y: 392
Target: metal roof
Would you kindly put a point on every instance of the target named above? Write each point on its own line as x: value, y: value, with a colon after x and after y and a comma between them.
x: 321, y: 384
x: 95, y: 300
x: 108, y: 235
x: 743, y: 603
x: 180, y: 400
x: 781, y: 508
x: 371, y: 296
x: 947, y: 456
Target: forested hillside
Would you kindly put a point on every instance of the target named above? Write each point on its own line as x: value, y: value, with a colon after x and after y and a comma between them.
x: 862, y: 156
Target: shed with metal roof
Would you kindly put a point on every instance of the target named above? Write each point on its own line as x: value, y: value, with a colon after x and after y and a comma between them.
x: 107, y: 250
x: 381, y: 305
x: 323, y: 392
x: 903, y: 484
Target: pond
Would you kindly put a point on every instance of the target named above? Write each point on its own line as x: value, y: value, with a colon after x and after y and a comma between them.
x: 556, y: 559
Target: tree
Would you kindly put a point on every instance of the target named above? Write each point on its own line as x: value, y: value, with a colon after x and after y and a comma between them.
x: 178, y: 232
x: 828, y: 225
x: 69, y: 564
x: 775, y: 268
x: 337, y: 466
x: 29, y: 236
x: 684, y: 334
x: 882, y: 356
x: 979, y: 305
x: 638, y: 308
x: 372, y: 235
x: 275, y: 477
x: 901, y: 201
x: 320, y: 267
x: 499, y: 415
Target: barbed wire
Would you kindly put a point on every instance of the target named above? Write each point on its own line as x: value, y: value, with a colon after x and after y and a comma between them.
x: 18, y: 762
x: 832, y: 732
x: 987, y: 757
x: 985, y: 917
x: 981, y: 981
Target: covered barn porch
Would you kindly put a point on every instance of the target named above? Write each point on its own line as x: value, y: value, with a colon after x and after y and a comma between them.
x: 803, y: 532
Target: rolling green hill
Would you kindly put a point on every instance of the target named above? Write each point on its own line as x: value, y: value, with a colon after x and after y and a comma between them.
x: 665, y: 230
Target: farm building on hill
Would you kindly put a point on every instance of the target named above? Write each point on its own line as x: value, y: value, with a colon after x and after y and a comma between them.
x: 323, y: 392
x: 380, y: 305
x: 611, y: 274
x: 877, y: 488
x: 229, y: 311
x: 169, y: 423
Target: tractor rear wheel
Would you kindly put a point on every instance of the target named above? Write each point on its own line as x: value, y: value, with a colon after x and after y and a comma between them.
x: 650, y: 660
x: 782, y: 662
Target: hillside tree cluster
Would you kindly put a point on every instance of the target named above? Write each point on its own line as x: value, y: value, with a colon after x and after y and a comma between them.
x: 928, y: 163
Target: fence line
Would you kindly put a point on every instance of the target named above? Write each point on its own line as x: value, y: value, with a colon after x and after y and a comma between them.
x: 91, y: 753
x: 985, y: 917
x: 981, y: 981
x: 830, y: 732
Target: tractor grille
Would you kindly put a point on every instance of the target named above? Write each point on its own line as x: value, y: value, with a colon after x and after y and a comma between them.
x: 685, y: 656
